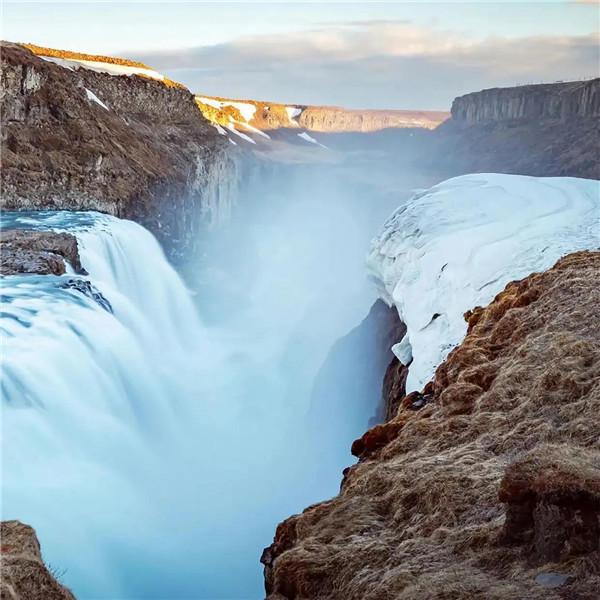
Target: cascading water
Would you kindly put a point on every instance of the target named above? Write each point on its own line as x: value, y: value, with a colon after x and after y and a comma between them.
x: 152, y: 453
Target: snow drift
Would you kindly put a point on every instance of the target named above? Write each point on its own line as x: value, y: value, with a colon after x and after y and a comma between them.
x: 456, y: 245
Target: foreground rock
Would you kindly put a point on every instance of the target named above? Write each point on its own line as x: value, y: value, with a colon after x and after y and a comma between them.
x: 38, y: 252
x: 488, y: 491
x: 24, y: 574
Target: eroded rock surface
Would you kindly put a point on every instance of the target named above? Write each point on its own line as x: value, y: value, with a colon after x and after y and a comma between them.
x: 145, y: 153
x: 24, y: 573
x: 37, y: 252
x: 490, y: 484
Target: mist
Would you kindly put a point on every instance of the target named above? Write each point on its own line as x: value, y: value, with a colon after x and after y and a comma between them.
x: 205, y: 434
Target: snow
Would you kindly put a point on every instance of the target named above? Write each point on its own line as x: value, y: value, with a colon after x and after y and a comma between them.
x: 104, y: 67
x: 232, y: 128
x: 257, y: 131
x: 219, y: 128
x: 232, y: 141
x: 92, y: 97
x: 310, y: 139
x: 246, y: 109
x: 458, y: 244
x: 292, y: 112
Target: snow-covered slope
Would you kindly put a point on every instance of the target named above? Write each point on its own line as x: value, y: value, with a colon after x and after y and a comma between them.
x: 456, y: 245
x: 104, y: 67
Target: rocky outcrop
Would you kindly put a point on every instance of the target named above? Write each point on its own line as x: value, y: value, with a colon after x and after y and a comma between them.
x: 562, y: 101
x: 497, y: 473
x: 38, y: 252
x: 24, y: 574
x: 130, y: 146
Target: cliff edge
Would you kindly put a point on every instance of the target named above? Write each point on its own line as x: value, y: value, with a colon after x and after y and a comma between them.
x: 488, y: 489
x: 76, y: 136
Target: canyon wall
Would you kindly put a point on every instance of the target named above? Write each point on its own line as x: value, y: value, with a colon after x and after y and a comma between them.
x: 331, y: 119
x: 542, y: 130
x: 129, y: 146
x: 544, y: 101
x: 490, y: 488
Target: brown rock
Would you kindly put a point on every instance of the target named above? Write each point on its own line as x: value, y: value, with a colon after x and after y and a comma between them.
x: 37, y: 252
x: 24, y: 574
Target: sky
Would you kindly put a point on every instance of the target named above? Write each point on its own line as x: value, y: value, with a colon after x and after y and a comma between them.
x: 413, y: 55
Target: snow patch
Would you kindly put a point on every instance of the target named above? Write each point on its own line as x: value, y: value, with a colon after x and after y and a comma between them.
x: 456, y: 245
x: 246, y: 109
x: 292, y: 112
x: 103, y: 67
x: 310, y: 139
x: 93, y: 98
x: 232, y: 128
x: 219, y: 128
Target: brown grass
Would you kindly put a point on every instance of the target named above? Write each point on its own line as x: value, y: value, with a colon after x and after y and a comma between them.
x: 421, y: 518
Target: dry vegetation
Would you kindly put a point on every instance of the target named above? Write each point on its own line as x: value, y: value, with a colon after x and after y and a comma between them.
x: 68, y: 55
x: 493, y: 482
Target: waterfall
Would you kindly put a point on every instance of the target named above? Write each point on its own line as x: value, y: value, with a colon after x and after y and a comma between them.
x: 152, y: 453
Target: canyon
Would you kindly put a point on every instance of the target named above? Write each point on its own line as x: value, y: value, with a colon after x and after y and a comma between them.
x: 477, y: 472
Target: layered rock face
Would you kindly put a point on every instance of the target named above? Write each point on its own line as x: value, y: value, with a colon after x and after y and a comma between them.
x: 130, y: 146
x: 542, y: 130
x: 38, y: 252
x: 487, y: 490
x: 24, y: 574
x: 546, y: 101
x: 269, y: 116
x: 331, y: 119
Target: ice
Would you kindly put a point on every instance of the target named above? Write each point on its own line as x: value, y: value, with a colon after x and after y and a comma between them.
x: 458, y: 244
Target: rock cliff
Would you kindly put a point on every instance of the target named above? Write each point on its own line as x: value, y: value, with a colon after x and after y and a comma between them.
x: 490, y: 489
x: 131, y: 146
x: 545, y: 101
x: 24, y: 574
x: 542, y: 130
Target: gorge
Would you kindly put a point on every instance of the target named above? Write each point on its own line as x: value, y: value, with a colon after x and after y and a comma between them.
x: 191, y: 343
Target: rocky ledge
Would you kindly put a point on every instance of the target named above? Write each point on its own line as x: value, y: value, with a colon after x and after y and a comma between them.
x: 24, y: 574
x: 490, y: 488
x: 38, y: 252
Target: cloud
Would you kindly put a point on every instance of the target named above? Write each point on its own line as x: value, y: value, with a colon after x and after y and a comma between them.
x: 375, y: 65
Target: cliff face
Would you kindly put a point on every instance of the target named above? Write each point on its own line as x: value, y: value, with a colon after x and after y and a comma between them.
x: 546, y: 101
x: 24, y: 574
x: 541, y: 130
x: 490, y: 488
x: 268, y: 117
x: 331, y: 119
x: 130, y: 146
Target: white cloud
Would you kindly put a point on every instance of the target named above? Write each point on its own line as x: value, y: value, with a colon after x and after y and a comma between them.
x: 376, y: 64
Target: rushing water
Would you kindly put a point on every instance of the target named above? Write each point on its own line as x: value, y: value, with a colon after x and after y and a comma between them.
x: 155, y: 454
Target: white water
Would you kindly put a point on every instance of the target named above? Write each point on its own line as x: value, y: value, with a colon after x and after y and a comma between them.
x: 155, y: 455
